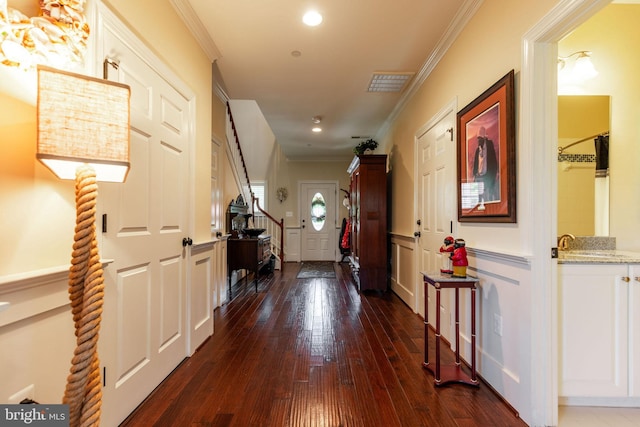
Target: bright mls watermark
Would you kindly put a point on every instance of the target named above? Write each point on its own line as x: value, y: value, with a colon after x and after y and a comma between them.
x: 34, y: 415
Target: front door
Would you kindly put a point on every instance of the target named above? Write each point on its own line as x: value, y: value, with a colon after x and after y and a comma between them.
x: 318, y: 221
x: 143, y: 336
x: 435, y: 154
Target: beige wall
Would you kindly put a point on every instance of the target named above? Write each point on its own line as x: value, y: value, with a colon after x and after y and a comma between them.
x: 288, y: 174
x: 612, y: 37
x: 486, y: 50
x: 38, y: 209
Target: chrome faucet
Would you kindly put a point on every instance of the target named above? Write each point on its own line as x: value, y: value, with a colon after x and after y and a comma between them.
x: 563, y: 241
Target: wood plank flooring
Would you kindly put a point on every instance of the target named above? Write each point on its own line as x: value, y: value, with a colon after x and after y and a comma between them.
x: 315, y: 352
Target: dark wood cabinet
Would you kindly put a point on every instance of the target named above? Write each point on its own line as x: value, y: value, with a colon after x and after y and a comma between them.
x: 251, y: 254
x: 368, y: 214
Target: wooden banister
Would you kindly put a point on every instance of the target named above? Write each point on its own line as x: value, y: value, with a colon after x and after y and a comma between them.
x: 277, y: 244
x: 280, y: 224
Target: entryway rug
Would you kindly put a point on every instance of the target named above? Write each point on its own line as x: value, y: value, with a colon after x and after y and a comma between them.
x: 311, y: 269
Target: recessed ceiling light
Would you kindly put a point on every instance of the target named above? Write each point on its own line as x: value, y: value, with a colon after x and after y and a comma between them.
x: 316, y: 129
x: 296, y: 53
x: 312, y: 18
x: 316, y: 119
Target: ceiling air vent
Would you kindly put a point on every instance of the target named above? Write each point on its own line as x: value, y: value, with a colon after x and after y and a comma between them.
x: 388, y: 82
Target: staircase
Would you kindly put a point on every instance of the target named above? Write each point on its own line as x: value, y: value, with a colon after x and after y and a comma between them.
x: 272, y: 226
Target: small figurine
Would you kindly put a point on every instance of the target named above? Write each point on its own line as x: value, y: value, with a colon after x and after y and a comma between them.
x: 459, y: 258
x: 446, y: 250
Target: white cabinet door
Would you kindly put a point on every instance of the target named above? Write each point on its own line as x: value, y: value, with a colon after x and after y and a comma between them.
x: 634, y: 330
x: 593, y: 330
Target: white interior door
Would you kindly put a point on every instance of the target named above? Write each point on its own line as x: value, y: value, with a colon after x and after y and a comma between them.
x: 435, y: 162
x: 143, y: 337
x: 318, y: 221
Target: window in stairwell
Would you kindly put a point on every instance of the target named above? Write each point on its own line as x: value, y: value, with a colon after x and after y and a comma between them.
x: 260, y: 192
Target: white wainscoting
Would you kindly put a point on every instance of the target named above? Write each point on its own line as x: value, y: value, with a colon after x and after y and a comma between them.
x: 292, y: 244
x: 503, y: 314
x: 37, y: 335
x: 201, y: 294
x: 504, y: 323
x: 403, y: 272
x: 221, y: 280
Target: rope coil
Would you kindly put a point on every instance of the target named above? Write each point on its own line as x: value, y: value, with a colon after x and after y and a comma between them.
x: 83, y: 392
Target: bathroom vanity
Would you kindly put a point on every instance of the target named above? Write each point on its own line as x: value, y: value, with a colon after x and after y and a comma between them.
x: 599, y: 328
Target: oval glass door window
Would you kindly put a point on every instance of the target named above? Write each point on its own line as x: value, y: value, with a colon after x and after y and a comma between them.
x: 318, y: 211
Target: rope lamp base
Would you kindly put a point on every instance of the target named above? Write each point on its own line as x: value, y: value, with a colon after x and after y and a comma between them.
x: 83, y: 392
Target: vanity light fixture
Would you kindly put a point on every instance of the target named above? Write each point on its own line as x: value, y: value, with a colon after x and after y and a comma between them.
x: 582, y: 69
x: 312, y: 18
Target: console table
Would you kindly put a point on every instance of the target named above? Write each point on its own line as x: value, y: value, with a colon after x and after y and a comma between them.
x: 450, y: 373
x: 248, y: 254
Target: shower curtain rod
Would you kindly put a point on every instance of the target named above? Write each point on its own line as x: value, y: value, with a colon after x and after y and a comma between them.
x: 561, y: 149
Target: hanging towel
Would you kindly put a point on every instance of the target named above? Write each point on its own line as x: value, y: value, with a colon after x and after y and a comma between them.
x: 602, y: 156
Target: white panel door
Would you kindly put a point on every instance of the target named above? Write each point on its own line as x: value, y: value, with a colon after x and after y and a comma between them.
x: 318, y: 221
x: 435, y: 151
x: 144, y: 330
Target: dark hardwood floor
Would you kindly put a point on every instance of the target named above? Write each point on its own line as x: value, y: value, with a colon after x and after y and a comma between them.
x: 315, y: 352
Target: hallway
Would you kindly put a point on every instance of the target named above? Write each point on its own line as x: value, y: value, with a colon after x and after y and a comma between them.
x: 315, y: 352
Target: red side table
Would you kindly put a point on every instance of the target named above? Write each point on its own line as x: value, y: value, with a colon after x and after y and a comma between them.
x: 450, y: 373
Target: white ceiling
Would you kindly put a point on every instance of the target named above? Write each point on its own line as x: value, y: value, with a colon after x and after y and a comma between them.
x: 253, y: 42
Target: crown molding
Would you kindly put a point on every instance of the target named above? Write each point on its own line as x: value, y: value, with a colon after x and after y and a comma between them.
x: 190, y: 18
x: 464, y: 15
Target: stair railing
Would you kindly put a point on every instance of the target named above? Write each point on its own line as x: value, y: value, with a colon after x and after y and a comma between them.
x: 272, y: 226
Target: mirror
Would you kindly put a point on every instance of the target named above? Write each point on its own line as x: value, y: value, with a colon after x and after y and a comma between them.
x: 583, y: 199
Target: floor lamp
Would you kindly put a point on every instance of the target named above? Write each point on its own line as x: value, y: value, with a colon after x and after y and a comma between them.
x: 83, y: 134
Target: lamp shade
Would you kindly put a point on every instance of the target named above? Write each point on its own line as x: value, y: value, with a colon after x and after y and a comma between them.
x: 81, y: 120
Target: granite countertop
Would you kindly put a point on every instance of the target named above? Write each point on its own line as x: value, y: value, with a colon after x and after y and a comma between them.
x: 598, y: 256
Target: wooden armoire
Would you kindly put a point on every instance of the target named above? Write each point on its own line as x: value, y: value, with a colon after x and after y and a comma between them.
x: 368, y: 217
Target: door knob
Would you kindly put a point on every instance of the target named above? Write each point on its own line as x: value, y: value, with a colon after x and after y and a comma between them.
x: 416, y: 234
x: 187, y: 241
